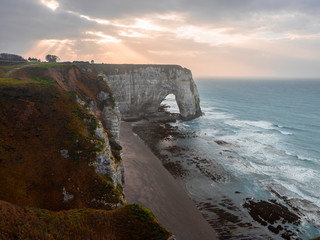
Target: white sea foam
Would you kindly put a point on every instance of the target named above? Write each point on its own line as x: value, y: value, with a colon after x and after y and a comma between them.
x: 208, y: 132
x: 286, y: 133
x: 301, y: 157
x: 258, y: 124
x: 185, y: 125
x: 217, y: 115
x: 279, y: 151
x: 208, y: 109
x: 264, y: 157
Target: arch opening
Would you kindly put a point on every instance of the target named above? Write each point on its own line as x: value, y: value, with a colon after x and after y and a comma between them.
x: 169, y: 104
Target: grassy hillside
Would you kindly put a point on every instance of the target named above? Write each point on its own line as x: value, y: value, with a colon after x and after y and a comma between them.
x: 38, y: 123
x: 131, y: 222
x: 47, y: 148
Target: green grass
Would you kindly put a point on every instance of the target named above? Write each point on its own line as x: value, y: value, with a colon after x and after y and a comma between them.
x: 49, y: 65
x: 43, y: 80
x: 6, y: 69
x: 13, y: 81
x: 130, y: 222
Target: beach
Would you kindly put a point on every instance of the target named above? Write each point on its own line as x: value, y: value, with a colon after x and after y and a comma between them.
x: 148, y: 183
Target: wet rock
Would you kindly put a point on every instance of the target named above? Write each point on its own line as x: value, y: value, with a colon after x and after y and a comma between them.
x: 270, y: 213
x: 221, y: 143
x: 176, y: 169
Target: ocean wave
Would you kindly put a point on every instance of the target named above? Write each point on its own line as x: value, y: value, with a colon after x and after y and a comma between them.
x: 208, y: 109
x: 307, y: 207
x: 285, y: 191
x: 286, y: 128
x: 217, y: 116
x: 185, y: 125
x: 302, y: 158
x: 245, y: 123
x: 258, y: 125
x: 286, y: 133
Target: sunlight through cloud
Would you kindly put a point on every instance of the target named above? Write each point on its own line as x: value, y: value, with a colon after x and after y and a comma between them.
x: 213, y: 37
x: 97, y: 20
x: 52, y: 4
x: 104, y: 38
x: 52, y: 46
x: 132, y: 34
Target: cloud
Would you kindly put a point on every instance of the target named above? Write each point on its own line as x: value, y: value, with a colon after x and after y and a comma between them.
x: 208, y: 36
x: 102, y: 38
x: 52, y: 4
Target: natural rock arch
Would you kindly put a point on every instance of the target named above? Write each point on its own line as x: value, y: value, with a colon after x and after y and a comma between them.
x: 164, y: 102
x: 140, y: 89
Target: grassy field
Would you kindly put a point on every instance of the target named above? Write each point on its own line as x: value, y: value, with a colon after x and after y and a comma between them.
x: 4, y: 69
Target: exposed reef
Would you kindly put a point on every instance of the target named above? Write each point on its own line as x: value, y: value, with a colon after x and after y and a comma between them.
x: 140, y: 89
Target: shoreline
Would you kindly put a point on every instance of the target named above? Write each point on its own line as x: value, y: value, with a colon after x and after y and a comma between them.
x: 225, y: 206
x: 148, y: 183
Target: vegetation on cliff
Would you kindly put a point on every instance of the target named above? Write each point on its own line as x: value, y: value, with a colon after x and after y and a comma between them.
x: 130, y: 222
x: 48, y: 146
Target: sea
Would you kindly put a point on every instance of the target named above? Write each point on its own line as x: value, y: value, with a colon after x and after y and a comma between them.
x: 258, y: 140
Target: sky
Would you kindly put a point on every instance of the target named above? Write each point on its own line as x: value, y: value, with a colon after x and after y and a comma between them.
x: 213, y: 38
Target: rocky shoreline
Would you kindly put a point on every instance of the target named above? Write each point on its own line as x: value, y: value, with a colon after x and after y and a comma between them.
x: 261, y: 219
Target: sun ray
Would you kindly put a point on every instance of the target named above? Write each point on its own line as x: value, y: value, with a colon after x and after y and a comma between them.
x: 52, y: 4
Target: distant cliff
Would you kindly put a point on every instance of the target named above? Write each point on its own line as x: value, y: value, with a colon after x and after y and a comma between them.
x: 140, y: 89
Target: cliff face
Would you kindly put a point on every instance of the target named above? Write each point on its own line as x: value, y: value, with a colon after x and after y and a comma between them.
x: 93, y: 94
x: 140, y: 89
x: 61, y: 123
x: 96, y: 97
x: 54, y: 125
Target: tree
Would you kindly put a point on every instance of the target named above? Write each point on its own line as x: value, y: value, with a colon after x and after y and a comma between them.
x: 52, y: 58
x: 92, y: 61
x: 32, y: 59
x: 11, y: 57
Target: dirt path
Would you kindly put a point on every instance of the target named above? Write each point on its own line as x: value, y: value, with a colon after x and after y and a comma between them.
x: 15, y: 69
x: 151, y: 185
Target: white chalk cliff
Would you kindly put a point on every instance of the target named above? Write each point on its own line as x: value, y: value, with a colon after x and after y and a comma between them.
x: 140, y: 89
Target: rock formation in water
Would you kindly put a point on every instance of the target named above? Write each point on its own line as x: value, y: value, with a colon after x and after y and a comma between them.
x: 140, y: 89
